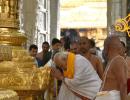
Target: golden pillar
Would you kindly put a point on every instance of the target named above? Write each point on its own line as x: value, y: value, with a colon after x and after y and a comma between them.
x: 9, y: 23
x: 17, y: 68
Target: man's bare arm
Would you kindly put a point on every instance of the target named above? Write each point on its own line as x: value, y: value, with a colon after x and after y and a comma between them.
x: 99, y: 68
x: 119, y: 68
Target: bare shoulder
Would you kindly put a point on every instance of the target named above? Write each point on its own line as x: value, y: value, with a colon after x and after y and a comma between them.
x: 119, y: 59
x: 119, y: 62
x: 96, y: 58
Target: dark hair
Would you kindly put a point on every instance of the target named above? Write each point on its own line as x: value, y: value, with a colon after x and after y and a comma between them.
x: 92, y: 43
x: 55, y: 40
x: 33, y: 46
x: 67, y: 43
x: 45, y: 43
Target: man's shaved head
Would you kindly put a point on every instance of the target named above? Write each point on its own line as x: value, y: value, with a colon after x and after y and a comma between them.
x: 112, y: 40
x: 112, y: 44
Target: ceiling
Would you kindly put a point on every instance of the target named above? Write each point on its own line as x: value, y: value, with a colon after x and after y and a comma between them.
x: 83, y: 13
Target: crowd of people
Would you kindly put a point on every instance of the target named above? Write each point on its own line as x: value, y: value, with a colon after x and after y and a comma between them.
x: 81, y: 71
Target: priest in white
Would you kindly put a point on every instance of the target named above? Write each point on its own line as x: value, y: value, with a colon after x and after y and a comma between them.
x: 79, y: 80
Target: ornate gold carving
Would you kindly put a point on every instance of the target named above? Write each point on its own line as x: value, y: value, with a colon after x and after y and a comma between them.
x: 9, y: 13
x: 22, y: 74
x: 11, y: 37
x: 122, y: 25
x: 8, y: 95
x: 9, y: 23
x: 18, y: 70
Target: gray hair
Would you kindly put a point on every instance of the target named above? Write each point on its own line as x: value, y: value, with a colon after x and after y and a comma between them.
x: 62, y: 55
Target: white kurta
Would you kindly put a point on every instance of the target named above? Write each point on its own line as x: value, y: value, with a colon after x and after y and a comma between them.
x: 85, y: 82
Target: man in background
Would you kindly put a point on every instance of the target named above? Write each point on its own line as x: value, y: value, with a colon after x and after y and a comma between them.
x: 84, y: 46
x: 56, y: 45
x: 33, y: 52
x: 44, y: 56
x: 95, y: 50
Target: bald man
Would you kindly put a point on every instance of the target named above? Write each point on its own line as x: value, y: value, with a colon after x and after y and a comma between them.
x: 115, y: 76
x: 84, y: 47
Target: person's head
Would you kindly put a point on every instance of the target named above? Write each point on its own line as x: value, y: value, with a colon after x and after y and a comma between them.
x: 74, y: 47
x: 84, y: 45
x: 67, y: 43
x: 92, y: 46
x: 56, y: 44
x: 45, y: 46
x: 60, y: 59
x: 62, y: 40
x: 33, y: 50
x: 112, y: 45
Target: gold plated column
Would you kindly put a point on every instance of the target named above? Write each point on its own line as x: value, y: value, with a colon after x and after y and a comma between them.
x: 18, y: 70
x: 9, y: 23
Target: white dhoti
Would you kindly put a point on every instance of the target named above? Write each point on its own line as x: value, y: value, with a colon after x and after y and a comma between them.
x: 85, y: 82
x: 109, y: 95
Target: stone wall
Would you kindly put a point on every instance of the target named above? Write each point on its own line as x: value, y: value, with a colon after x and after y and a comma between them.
x: 34, y: 17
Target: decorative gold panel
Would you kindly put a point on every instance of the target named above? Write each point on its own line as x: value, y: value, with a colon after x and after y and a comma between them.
x: 18, y: 70
x: 123, y: 25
